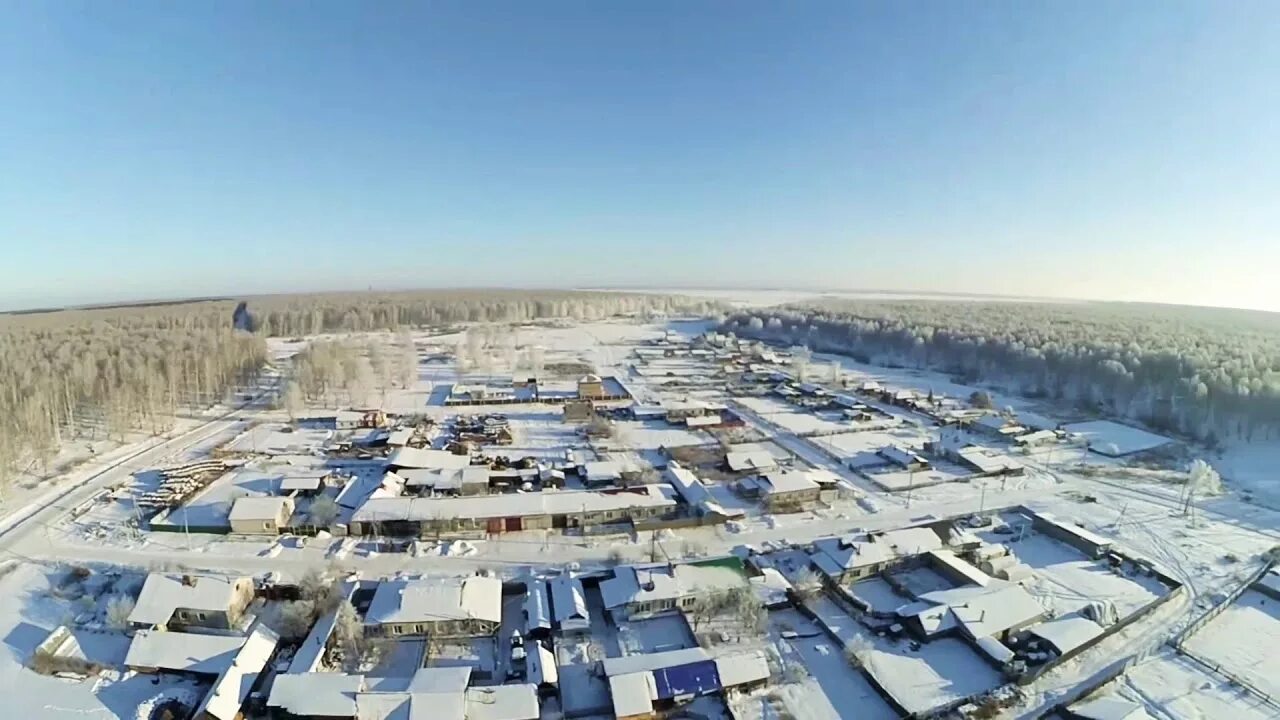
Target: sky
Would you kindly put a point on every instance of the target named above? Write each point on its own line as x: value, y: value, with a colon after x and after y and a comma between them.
x: 1122, y: 150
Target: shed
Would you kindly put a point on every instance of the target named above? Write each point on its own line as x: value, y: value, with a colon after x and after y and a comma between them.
x: 260, y: 515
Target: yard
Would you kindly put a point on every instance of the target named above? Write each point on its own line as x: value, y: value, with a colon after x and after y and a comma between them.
x: 1243, y: 641
x: 1067, y: 581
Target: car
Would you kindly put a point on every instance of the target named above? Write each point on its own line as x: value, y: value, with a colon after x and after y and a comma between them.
x: 517, y: 640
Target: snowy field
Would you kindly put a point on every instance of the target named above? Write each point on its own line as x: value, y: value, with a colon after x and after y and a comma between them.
x: 794, y: 419
x: 1244, y: 641
x: 1116, y: 440
x: 1067, y: 581
x: 279, y: 439
x: 1179, y: 688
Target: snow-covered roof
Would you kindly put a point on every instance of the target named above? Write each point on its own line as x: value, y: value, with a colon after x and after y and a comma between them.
x: 446, y: 478
x: 301, y: 482
x: 750, y: 460
x: 1068, y: 632
x: 901, y: 456
x: 568, y: 600
x: 703, y: 420
x: 440, y: 679
x: 542, y: 667
x: 227, y: 696
x: 400, y: 436
x: 603, y: 470
x: 537, y: 608
x: 255, y: 509
x: 994, y: 649
x: 183, y: 652
x: 163, y: 594
x: 742, y: 668
x: 960, y: 567
x: 320, y: 694
x: 1086, y: 535
x: 648, y: 662
x: 987, y: 461
x: 426, y: 458
x: 990, y: 610
x: 546, y: 502
x: 770, y: 586
x: 630, y: 584
x: 632, y: 694
x: 787, y: 481
x: 875, y: 548
x: 436, y: 599
x: 503, y: 702
x: 1036, y: 437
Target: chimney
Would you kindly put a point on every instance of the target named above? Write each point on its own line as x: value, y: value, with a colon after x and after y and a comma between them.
x: 188, y: 581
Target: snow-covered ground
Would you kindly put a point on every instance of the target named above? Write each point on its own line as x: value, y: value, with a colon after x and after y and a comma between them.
x: 1066, y: 581
x: 821, y: 658
x: 1244, y: 641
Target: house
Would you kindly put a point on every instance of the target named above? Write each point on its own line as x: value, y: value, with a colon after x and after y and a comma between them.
x: 653, y: 684
x: 513, y: 512
x: 996, y: 610
x: 598, y: 473
x: 410, y: 458
x: 788, y: 490
x: 177, y: 601
x: 750, y: 459
x: 226, y: 697
x: 576, y: 411
x: 153, y: 651
x: 1038, y: 438
x: 302, y: 485
x: 260, y: 515
x: 1089, y: 543
x: 591, y: 387
x: 997, y: 426
x: 569, y: 605
x: 859, y: 556
x: 904, y: 458
x: 444, y: 607
x: 470, y: 480
x: 315, y: 695
x: 636, y: 591
x: 987, y: 462
x: 1066, y: 633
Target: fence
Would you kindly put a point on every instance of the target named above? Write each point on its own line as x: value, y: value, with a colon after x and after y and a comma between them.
x: 1218, y: 609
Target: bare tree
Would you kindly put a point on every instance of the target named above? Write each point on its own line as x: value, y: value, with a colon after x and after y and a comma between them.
x: 295, y: 619
x: 323, y: 511
x: 119, y: 608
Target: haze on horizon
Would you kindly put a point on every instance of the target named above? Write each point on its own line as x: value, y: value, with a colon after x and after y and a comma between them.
x: 1122, y: 151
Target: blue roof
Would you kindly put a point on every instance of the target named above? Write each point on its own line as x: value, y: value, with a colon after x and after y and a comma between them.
x: 696, y: 678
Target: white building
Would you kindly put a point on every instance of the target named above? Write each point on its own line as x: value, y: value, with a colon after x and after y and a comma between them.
x: 635, y: 591
x: 458, y: 607
x: 212, y: 601
x: 260, y: 515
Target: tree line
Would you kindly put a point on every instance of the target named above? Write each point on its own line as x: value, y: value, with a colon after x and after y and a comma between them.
x: 101, y: 373
x: 1205, y: 372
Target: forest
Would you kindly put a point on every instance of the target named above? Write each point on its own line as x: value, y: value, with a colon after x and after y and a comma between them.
x: 100, y: 374
x: 1208, y: 373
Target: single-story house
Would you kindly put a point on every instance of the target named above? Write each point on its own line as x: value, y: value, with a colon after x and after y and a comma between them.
x: 469, y: 480
x: 858, y: 556
x: 647, y: 685
x: 997, y: 610
x: 637, y: 591
x: 512, y: 512
x: 192, y: 653
x: 177, y: 601
x: 750, y: 461
x: 260, y: 515
x: 410, y: 458
x: 904, y: 458
x: 448, y: 607
x: 788, y: 489
x: 321, y: 695
x: 226, y: 697
x: 569, y: 605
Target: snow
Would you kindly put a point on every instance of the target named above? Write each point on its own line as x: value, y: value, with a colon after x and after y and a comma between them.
x: 846, y: 689
x: 1067, y: 581
x: 878, y: 594
x: 1177, y: 687
x: 1244, y: 640
x: 1113, y: 439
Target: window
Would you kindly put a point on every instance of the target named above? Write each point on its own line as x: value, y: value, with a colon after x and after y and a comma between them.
x: 266, y: 526
x: 200, y: 616
x: 419, y: 628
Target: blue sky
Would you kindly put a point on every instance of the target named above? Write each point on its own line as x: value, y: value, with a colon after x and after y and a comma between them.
x: 1119, y: 151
